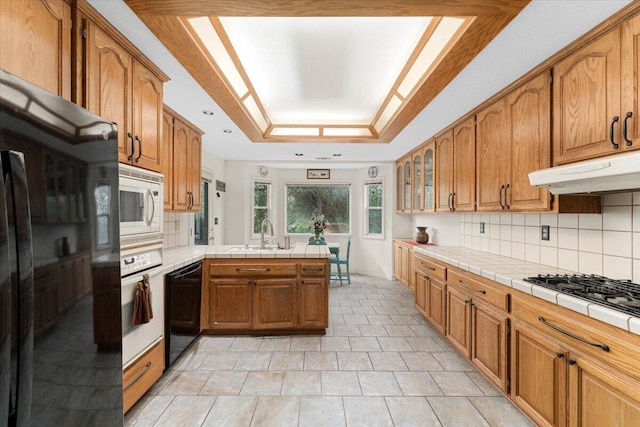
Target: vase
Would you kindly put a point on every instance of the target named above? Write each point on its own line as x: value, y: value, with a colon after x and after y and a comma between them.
x: 64, y: 247
x: 421, y: 235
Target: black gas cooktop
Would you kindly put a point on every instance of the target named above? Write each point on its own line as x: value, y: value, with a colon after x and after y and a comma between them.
x: 620, y: 295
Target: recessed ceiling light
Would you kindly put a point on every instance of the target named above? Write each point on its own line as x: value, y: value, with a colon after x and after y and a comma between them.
x: 337, y: 154
x: 226, y: 130
x: 207, y: 112
x: 299, y: 154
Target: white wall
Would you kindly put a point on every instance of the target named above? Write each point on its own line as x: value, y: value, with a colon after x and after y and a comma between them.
x: 607, y: 244
x: 368, y: 256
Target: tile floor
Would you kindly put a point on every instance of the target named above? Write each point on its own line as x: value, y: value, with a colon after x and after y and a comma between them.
x: 380, y: 364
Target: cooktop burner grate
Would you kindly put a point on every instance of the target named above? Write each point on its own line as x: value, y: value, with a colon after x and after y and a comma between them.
x: 621, y: 295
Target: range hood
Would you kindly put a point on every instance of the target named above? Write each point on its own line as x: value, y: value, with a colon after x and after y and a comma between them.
x: 620, y: 172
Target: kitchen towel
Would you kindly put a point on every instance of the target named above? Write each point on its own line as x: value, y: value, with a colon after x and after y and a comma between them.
x: 142, y: 307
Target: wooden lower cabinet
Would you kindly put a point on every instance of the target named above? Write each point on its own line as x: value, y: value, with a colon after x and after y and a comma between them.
x: 490, y: 343
x: 437, y: 304
x: 459, y: 321
x: 422, y: 282
x: 402, y: 263
x: 270, y: 295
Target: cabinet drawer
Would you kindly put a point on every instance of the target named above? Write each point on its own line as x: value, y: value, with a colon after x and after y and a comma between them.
x: 315, y: 269
x: 138, y: 377
x: 479, y: 288
x: 245, y: 269
x: 579, y: 332
x: 429, y: 266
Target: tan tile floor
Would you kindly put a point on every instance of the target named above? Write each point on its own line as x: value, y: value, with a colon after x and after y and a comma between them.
x: 380, y: 364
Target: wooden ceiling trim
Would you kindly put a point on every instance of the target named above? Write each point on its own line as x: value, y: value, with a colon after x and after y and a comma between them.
x: 301, y: 8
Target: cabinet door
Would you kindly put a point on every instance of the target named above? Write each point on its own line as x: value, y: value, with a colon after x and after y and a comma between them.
x: 437, y: 304
x: 230, y: 303
x: 35, y: 37
x: 538, y: 376
x: 195, y: 169
x: 444, y: 171
x: 50, y: 187
x: 181, y: 179
x: 586, y: 99
x: 313, y: 303
x: 489, y: 343
x: 62, y: 189
x: 399, y: 187
x: 66, y: 285
x: 407, y: 186
x: 83, y: 278
x: 464, y: 171
x: 72, y: 176
x: 418, y: 205
x: 397, y: 261
x: 428, y: 176
x: 459, y: 321
x: 421, y: 281
x: 108, y: 68
x: 631, y: 82
x: 601, y: 396
x: 147, y: 118
x: 167, y: 159
x: 275, y: 303
x: 530, y: 139
x: 405, y: 268
x: 493, y: 156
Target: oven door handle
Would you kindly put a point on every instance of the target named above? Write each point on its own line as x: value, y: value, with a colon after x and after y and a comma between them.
x: 183, y: 273
x: 150, y: 202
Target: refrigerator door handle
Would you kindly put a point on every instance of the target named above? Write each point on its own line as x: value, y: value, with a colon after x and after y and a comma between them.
x: 15, y: 177
x: 5, y: 308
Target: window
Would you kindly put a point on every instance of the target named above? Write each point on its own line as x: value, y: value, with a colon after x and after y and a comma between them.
x: 331, y: 203
x: 201, y: 226
x: 373, y: 209
x: 102, y: 194
x: 261, y: 203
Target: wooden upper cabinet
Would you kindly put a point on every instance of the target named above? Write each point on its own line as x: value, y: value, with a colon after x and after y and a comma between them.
x: 429, y: 176
x: 181, y: 180
x: 399, y: 186
x: 630, y: 84
x: 464, y: 171
x: 35, y: 36
x: 417, y: 187
x: 167, y: 157
x: 444, y: 171
x: 407, y: 184
x: 493, y: 156
x: 512, y: 140
x: 108, y: 68
x: 147, y: 118
x: 586, y: 97
x: 195, y: 168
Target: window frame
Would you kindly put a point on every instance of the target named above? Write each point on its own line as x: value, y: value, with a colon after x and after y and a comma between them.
x: 108, y: 215
x: 306, y: 184
x: 269, y: 184
x: 365, y: 223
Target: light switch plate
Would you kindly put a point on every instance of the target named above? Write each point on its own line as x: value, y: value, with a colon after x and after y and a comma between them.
x: 544, y: 232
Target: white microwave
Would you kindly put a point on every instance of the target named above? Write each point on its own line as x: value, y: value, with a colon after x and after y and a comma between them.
x: 141, y: 197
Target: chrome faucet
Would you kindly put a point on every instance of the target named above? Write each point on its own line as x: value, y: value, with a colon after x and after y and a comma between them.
x: 265, y: 222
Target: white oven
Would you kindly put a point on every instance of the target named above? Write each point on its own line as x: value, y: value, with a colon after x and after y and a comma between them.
x: 141, y: 204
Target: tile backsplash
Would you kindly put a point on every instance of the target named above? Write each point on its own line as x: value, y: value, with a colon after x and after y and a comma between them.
x: 607, y: 244
x: 171, y: 229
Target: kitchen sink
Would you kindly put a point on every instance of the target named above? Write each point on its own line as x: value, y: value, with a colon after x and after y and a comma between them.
x: 252, y: 249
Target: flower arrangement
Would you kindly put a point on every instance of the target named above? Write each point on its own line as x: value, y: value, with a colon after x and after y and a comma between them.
x: 318, y: 224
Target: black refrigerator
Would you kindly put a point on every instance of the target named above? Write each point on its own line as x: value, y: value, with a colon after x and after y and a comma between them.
x: 60, y: 358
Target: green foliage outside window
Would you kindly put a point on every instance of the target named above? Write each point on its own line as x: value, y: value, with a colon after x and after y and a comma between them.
x: 306, y: 203
x: 373, y: 193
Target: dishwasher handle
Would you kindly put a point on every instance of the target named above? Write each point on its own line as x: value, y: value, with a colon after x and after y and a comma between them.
x: 187, y: 271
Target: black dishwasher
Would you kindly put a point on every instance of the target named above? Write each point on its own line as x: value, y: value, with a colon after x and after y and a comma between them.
x: 182, y: 309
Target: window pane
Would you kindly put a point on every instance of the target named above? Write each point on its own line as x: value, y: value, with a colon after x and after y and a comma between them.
x: 102, y: 195
x: 103, y: 230
x: 201, y: 225
x: 260, y: 195
x: 331, y: 203
x: 375, y: 221
x: 375, y: 195
x: 259, y: 215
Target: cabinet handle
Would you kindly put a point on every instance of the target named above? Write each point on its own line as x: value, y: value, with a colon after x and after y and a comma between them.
x: 569, y: 334
x: 130, y: 156
x: 449, y: 201
x: 624, y: 129
x: 506, y: 196
x: 472, y: 288
x: 501, y: 203
x: 425, y: 277
x: 312, y: 270
x: 453, y: 207
x: 425, y: 265
x: 468, y: 301
x: 248, y: 270
x: 560, y: 355
x: 613, y: 122
x: 139, y: 149
x: 140, y: 375
x: 572, y: 362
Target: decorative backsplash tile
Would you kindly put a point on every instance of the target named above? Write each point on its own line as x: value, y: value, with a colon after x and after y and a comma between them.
x: 607, y: 244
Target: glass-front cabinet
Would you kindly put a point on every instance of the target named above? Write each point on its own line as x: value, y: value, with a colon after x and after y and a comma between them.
x: 417, y: 182
x: 399, y: 187
x: 428, y: 176
x: 407, y: 185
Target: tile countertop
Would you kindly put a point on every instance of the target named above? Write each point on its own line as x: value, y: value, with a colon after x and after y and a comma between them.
x: 510, y: 272
x: 179, y: 257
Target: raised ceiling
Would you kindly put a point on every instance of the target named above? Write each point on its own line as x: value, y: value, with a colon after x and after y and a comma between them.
x: 333, y: 70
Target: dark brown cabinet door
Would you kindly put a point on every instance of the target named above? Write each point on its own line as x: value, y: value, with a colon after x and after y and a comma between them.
x: 275, y: 303
x: 489, y: 343
x: 147, y: 118
x: 493, y: 156
x: 464, y: 171
x: 230, y: 303
x: 312, y: 303
x: 444, y: 171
